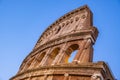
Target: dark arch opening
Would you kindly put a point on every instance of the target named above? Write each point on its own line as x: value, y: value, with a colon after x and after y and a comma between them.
x: 52, y: 56
x: 71, y: 53
x: 39, y: 59
x: 28, y: 64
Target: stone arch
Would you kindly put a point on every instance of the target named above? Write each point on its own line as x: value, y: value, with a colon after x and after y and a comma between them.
x: 28, y: 64
x: 39, y: 59
x: 52, y: 55
x: 69, y: 51
x: 22, y: 67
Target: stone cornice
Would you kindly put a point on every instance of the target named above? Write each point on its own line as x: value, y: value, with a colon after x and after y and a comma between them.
x: 86, y: 69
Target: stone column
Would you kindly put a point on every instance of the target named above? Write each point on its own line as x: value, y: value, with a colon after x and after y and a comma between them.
x: 87, y: 52
x: 60, y: 55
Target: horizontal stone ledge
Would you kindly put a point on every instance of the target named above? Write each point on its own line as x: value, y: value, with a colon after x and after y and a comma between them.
x: 84, y: 68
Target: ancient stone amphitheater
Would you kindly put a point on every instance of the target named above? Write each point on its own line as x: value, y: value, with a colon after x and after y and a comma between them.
x: 49, y: 60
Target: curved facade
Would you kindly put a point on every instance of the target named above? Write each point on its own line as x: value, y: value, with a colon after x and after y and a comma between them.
x: 49, y: 59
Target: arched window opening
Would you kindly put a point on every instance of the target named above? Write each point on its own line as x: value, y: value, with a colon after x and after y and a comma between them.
x: 72, y: 56
x: 39, y: 58
x: 28, y: 64
x: 52, y: 55
x: 71, y: 52
x: 58, y: 29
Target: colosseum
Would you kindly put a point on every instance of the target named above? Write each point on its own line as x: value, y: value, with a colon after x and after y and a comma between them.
x: 71, y: 35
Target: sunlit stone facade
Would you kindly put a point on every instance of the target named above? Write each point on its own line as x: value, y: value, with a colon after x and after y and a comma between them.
x: 49, y: 58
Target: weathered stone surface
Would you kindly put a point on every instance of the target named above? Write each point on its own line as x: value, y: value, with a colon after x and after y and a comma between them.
x: 49, y: 58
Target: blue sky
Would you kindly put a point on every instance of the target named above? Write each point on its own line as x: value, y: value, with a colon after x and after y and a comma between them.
x: 23, y: 21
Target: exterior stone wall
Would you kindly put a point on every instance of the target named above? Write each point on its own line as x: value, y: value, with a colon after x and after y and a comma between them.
x: 49, y: 58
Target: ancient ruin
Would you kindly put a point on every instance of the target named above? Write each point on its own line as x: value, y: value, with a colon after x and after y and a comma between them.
x: 49, y: 60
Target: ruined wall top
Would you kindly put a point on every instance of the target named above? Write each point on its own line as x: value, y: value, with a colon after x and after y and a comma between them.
x: 72, y: 22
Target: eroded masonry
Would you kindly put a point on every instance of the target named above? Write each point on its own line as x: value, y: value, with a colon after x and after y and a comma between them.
x: 49, y: 58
